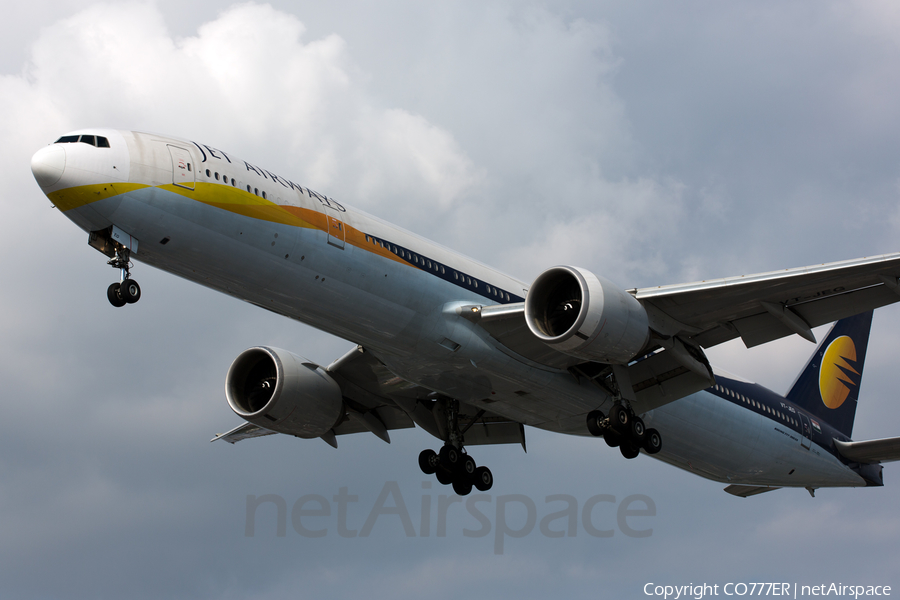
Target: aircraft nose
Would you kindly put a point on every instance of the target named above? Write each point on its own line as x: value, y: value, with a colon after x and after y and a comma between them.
x: 48, y: 164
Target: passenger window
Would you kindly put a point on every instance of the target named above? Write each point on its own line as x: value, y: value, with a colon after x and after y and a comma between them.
x: 207, y: 172
x: 264, y: 194
x: 248, y: 187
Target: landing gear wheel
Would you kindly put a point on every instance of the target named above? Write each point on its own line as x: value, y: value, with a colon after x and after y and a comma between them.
x: 613, y: 439
x: 652, y: 441
x: 619, y: 418
x: 428, y: 461
x: 629, y: 450
x: 638, y: 430
x: 115, y: 298
x: 467, y: 467
x: 595, y: 423
x: 463, y: 487
x: 130, y: 291
x: 443, y: 477
x: 449, y: 458
x: 484, y: 479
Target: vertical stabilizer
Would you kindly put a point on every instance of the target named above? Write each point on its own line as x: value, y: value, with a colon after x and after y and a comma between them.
x: 828, y: 387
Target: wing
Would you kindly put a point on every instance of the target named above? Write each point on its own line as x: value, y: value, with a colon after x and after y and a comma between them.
x: 687, y: 317
x: 243, y: 432
x: 745, y: 491
x: 767, y: 306
x: 377, y: 401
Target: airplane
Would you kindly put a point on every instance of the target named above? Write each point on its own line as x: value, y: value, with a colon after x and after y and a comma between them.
x: 467, y: 353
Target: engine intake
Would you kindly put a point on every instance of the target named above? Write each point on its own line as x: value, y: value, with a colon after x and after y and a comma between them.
x: 281, y: 391
x: 586, y: 316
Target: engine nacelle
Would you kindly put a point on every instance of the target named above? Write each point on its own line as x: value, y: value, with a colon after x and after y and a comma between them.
x: 586, y: 316
x: 281, y: 391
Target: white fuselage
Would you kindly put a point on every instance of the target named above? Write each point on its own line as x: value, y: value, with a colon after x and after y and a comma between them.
x: 292, y: 251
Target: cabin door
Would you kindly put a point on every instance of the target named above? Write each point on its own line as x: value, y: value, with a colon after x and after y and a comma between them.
x: 182, y: 167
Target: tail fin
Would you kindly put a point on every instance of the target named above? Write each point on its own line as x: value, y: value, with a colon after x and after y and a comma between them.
x: 828, y: 386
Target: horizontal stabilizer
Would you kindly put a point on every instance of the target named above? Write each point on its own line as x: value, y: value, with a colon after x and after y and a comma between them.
x: 744, y: 491
x: 870, y: 451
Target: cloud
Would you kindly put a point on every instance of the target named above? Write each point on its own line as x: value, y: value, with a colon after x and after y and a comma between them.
x: 613, y: 234
x: 248, y: 75
x: 648, y: 143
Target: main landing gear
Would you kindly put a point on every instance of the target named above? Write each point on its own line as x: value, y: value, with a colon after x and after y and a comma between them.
x: 452, y: 465
x: 625, y: 430
x: 127, y: 290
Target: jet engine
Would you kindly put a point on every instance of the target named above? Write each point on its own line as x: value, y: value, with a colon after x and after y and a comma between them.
x: 281, y: 391
x: 586, y: 316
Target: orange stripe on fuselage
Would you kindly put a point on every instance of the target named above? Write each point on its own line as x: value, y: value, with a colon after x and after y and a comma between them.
x: 234, y: 200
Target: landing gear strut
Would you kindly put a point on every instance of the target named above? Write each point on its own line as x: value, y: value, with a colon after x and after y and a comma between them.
x: 625, y: 430
x: 126, y: 290
x: 452, y: 466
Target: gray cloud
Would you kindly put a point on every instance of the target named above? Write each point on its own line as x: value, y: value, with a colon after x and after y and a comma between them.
x: 652, y: 143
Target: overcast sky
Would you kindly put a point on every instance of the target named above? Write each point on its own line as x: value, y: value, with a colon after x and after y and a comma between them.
x: 651, y: 142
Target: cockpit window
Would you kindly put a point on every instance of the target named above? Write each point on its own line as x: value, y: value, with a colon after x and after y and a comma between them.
x: 91, y: 140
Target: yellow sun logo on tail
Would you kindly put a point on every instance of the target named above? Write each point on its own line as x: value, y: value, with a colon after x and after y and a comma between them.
x: 835, y: 373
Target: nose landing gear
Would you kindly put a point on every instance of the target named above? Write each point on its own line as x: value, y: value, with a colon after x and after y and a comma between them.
x: 127, y: 290
x: 625, y: 430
